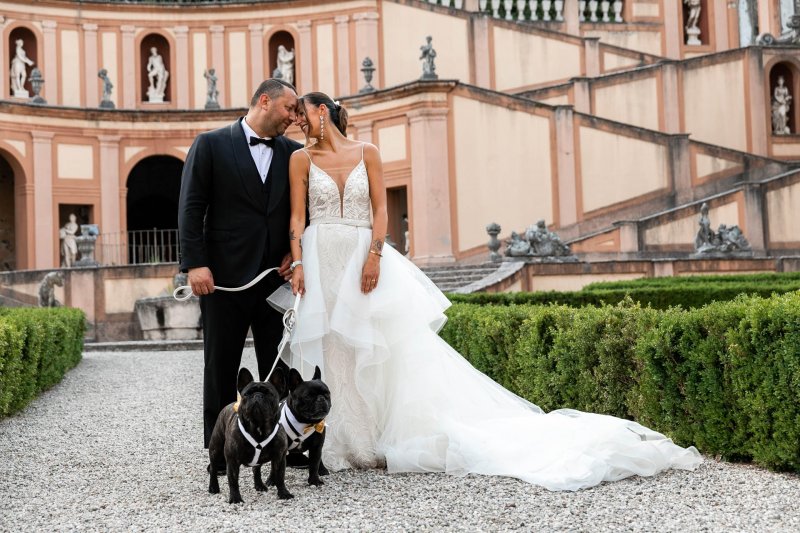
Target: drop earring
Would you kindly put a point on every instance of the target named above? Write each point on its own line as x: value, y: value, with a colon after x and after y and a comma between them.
x: 321, y: 127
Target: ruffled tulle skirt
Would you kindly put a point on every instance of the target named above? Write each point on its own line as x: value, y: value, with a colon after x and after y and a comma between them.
x: 403, y: 396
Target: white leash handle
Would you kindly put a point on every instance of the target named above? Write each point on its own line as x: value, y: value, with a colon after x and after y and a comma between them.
x: 189, y: 292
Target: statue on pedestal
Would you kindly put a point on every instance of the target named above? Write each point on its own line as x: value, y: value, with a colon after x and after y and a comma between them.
x: 106, y: 102
x: 18, y: 72
x: 69, y: 243
x: 428, y: 56
x: 285, y: 62
x: 211, y: 91
x: 781, y: 103
x: 158, y: 76
x: 725, y: 240
x: 536, y: 241
x: 692, y: 30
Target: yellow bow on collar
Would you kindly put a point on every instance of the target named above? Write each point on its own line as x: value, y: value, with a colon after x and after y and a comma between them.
x: 318, y: 427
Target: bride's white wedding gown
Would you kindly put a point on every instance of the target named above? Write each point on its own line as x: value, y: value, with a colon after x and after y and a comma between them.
x: 402, y: 395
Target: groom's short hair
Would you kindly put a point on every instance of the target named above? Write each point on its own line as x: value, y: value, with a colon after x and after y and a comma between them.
x: 272, y: 87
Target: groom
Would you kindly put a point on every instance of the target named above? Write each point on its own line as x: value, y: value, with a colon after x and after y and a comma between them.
x: 233, y: 220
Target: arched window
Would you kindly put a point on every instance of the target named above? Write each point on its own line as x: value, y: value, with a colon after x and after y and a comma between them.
x: 282, y: 55
x: 783, y: 88
x: 155, y: 69
x: 30, y: 52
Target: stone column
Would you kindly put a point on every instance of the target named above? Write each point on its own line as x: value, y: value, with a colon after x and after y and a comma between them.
x: 128, y: 67
x: 720, y: 21
x: 44, y: 229
x: 760, y: 127
x: 218, y: 63
x: 680, y: 167
x: 565, y: 167
x: 257, y: 55
x: 572, y: 17
x: 92, y: 81
x: 482, y: 67
x: 673, y: 32
x: 754, y: 214
x: 109, y: 184
x: 363, y: 131
x: 582, y: 95
x: 5, y: 61
x: 48, y: 61
x: 629, y: 236
x: 367, y: 43
x: 591, y: 56
x: 343, y: 55
x: 670, y: 95
x: 180, y: 71
x: 303, y: 58
x: 431, y: 233
x: 769, y: 18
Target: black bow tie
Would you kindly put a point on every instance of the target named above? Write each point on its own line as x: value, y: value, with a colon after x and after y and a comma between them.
x: 255, y: 140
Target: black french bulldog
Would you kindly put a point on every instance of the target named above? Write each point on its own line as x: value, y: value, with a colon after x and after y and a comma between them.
x: 303, y: 418
x: 249, y: 432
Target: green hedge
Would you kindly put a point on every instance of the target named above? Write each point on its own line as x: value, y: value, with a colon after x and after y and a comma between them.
x: 725, y: 378
x: 37, y: 347
x: 660, y: 293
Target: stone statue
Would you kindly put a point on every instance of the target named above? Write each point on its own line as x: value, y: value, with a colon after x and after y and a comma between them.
x: 69, y: 243
x: 536, y: 241
x: 158, y: 76
x: 406, y: 237
x: 725, y: 240
x: 47, y: 291
x: 428, y: 56
x: 692, y: 30
x: 494, y: 229
x: 106, y: 102
x: 18, y: 72
x: 790, y: 37
x: 781, y: 102
x: 285, y: 62
x: 211, y: 91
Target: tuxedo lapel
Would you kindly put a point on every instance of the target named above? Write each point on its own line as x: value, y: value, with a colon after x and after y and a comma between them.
x: 245, y: 164
x: 279, y: 173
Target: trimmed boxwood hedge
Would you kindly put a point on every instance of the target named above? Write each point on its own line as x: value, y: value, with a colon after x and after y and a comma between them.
x: 660, y: 293
x: 725, y: 377
x: 37, y: 347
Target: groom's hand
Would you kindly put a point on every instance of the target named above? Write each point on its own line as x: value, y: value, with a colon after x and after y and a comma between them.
x: 201, y: 280
x: 285, y: 270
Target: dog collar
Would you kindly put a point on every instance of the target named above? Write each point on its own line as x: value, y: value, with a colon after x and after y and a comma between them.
x: 257, y: 445
x: 296, y: 430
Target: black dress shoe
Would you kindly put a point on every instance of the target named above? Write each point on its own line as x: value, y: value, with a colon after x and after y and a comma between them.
x: 297, y: 460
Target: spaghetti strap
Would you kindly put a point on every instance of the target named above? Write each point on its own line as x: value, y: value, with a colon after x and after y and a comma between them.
x: 362, y: 151
x: 307, y: 154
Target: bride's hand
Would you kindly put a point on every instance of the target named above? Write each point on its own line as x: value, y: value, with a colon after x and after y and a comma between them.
x: 298, y: 281
x: 370, y: 274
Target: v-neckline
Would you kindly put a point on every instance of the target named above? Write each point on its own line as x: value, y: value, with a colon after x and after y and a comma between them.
x: 347, y: 179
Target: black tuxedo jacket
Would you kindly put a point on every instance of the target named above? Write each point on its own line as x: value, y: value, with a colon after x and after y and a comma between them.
x: 228, y: 220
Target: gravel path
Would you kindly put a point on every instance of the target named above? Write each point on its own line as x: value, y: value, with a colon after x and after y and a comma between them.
x: 117, y: 446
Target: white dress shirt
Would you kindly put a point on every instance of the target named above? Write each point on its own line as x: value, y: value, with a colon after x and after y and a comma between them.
x: 262, y: 154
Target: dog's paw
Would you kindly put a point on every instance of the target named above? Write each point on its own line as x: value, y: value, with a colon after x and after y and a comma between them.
x: 322, y: 470
x: 285, y: 495
x: 315, y: 481
x: 235, y: 499
x: 213, y: 489
x: 260, y: 487
x: 270, y: 483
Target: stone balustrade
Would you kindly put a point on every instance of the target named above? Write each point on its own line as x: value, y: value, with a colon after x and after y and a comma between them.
x: 597, y: 11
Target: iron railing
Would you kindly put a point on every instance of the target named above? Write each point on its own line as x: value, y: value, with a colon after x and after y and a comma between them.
x: 138, y: 247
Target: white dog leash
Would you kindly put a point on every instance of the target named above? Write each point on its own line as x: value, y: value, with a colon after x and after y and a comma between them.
x: 289, y: 317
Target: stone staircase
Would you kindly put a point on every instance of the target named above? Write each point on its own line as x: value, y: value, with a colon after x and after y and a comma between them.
x: 455, y: 276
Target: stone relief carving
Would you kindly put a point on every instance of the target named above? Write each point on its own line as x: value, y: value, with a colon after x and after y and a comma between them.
x: 19, y: 73
x: 157, y: 75
x: 428, y: 56
x: 692, y: 30
x: 725, y: 240
x: 285, y: 62
x: 781, y: 103
x: 47, y: 289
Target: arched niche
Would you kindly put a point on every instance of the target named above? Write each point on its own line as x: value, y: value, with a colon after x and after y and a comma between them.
x: 276, y: 40
x: 161, y: 44
x: 702, y: 22
x: 30, y: 45
x: 791, y: 80
x: 153, y: 187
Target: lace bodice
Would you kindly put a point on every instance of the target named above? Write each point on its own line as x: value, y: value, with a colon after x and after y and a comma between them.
x: 325, y: 200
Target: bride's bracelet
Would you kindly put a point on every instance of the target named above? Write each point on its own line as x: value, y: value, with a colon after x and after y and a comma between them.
x: 376, y: 253
x: 295, y: 264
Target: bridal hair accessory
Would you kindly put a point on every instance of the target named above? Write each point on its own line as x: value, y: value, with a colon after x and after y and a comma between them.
x: 184, y: 292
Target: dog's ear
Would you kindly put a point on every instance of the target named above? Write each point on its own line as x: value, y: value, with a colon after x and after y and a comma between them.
x: 244, y: 379
x: 278, y: 380
x: 295, y: 379
x: 317, y: 373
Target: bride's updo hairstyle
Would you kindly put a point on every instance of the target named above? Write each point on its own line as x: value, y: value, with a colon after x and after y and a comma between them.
x: 337, y: 112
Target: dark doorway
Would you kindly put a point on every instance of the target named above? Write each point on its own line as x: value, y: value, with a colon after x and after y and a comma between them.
x: 7, y: 213
x: 397, y: 208
x: 154, y: 185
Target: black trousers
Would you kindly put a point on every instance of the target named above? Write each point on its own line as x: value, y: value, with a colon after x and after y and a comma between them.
x: 226, y: 318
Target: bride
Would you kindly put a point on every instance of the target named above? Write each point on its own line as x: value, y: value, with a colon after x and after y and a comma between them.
x: 402, y: 397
